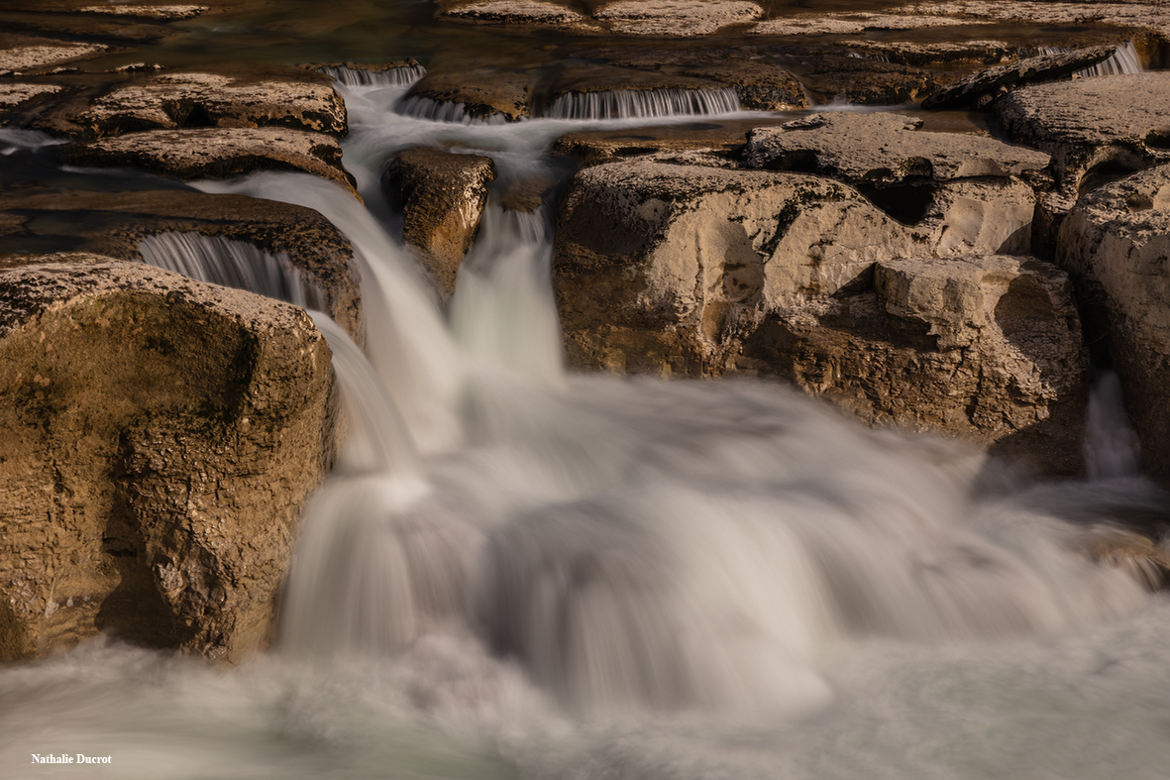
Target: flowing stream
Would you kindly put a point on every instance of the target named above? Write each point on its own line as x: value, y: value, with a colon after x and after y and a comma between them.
x: 516, y: 571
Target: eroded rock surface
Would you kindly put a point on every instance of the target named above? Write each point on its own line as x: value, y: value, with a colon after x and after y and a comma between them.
x: 442, y: 195
x: 1117, y: 242
x: 980, y: 89
x: 161, y: 436
x: 700, y: 271
x: 218, y: 153
x: 482, y: 95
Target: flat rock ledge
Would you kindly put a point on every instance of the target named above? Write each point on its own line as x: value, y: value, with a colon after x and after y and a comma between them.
x: 673, y: 269
x: 161, y: 437
x: 1116, y: 242
x: 216, y: 153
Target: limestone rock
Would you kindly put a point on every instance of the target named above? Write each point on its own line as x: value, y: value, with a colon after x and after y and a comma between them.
x: 14, y: 96
x: 443, y: 195
x: 675, y: 18
x: 218, y: 153
x: 980, y: 89
x: 478, y: 95
x: 1117, y: 241
x: 698, y: 271
x: 160, y: 438
x: 523, y: 12
x: 23, y: 54
x: 854, y: 22
x: 176, y: 100
x: 1090, y: 126
x: 115, y: 223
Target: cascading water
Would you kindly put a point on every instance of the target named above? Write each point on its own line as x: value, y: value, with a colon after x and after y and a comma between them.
x: 231, y: 263
x: 588, y: 576
x: 443, y: 111
x: 356, y: 76
x: 1124, y: 60
x: 1111, y: 444
x: 644, y: 103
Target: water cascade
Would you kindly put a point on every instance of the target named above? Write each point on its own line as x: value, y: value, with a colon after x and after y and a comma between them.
x: 443, y: 111
x: 1124, y: 60
x: 356, y: 76
x: 644, y: 103
x: 231, y: 263
x: 1111, y: 444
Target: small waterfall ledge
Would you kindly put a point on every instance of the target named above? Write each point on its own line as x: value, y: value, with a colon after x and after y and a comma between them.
x: 648, y: 103
x: 354, y: 75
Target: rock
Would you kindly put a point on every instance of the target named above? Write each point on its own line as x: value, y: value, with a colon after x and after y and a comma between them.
x: 854, y: 22
x: 161, y: 437
x: 721, y: 141
x: 115, y: 223
x: 522, y: 12
x: 920, y: 53
x: 13, y: 96
x: 978, y: 90
x: 1116, y: 242
x: 443, y: 197
x: 679, y: 270
x: 185, y: 100
x: 967, y: 193
x: 1150, y: 15
x: 167, y: 12
x: 218, y: 153
x: 675, y: 18
x: 20, y: 54
x: 478, y: 95
x: 1103, y: 125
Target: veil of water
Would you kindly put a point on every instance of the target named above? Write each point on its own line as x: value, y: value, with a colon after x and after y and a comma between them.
x: 520, y: 572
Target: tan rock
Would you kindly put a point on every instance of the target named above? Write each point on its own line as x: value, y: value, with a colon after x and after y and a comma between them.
x: 675, y: 18
x: 218, y: 153
x: 677, y: 270
x: 979, y: 89
x: 175, y: 100
x: 853, y: 22
x: 1117, y: 241
x: 160, y: 438
x: 16, y: 95
x: 443, y: 195
x: 35, y: 54
x: 476, y: 95
x: 521, y: 12
x: 163, y: 12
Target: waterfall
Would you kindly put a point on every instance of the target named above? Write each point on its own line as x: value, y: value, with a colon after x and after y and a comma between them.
x: 443, y: 111
x: 231, y: 263
x: 1124, y: 60
x: 374, y: 76
x: 627, y: 103
x: 1111, y: 444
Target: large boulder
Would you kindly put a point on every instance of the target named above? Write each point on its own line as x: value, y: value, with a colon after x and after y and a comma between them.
x: 1116, y: 242
x: 964, y: 193
x: 442, y: 195
x: 1094, y: 128
x: 672, y: 269
x: 160, y: 438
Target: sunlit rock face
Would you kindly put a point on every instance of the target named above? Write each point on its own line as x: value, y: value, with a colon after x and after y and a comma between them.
x: 161, y: 437
x: 706, y: 271
x: 1116, y: 242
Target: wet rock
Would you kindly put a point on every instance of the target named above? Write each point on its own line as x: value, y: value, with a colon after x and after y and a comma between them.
x: 675, y: 18
x: 707, y: 272
x: 520, y: 12
x: 478, y: 95
x: 980, y: 89
x: 1148, y: 15
x: 161, y: 437
x: 966, y: 193
x: 167, y: 12
x: 721, y: 142
x: 442, y: 195
x: 182, y: 100
x: 218, y: 153
x: 114, y: 224
x: 20, y: 54
x: 854, y: 22
x: 1116, y: 242
x: 13, y: 96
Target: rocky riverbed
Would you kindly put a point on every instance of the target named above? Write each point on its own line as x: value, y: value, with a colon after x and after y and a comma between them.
x: 940, y: 218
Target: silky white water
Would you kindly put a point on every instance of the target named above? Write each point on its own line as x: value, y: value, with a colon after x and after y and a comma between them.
x: 520, y: 572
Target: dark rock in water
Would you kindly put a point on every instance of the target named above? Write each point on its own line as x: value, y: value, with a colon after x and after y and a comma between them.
x: 1095, y: 129
x: 980, y: 89
x: 478, y: 95
x: 161, y: 437
x: 442, y: 196
x: 218, y: 153
x: 115, y: 223
x: 1116, y: 243
x: 671, y: 269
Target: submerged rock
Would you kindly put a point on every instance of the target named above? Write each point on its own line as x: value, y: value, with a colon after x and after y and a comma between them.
x: 1117, y: 241
x: 681, y: 270
x: 442, y: 195
x: 161, y: 438
x: 218, y: 153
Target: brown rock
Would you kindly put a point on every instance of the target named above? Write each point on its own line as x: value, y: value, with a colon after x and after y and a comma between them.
x: 980, y: 89
x: 160, y: 438
x: 218, y: 153
x: 479, y: 95
x: 443, y: 196
x: 1117, y: 241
